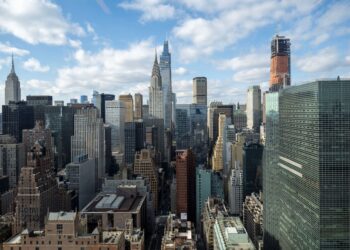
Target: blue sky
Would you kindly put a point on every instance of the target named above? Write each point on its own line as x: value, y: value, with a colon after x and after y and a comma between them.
x: 69, y: 48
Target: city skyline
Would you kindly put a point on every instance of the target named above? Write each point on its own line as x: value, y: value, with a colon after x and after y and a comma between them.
x: 109, y: 46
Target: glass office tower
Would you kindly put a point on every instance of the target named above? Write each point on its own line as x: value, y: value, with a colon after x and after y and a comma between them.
x: 307, y: 178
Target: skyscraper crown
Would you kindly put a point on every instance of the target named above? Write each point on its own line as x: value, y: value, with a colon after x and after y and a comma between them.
x: 156, y: 70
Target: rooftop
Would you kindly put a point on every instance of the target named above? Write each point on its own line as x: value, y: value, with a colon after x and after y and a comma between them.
x: 104, y: 202
x: 62, y: 216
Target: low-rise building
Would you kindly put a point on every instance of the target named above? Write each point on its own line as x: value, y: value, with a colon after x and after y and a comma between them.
x: 213, y: 208
x: 178, y: 234
x: 229, y: 233
x: 64, y: 231
x: 115, y: 208
x: 253, y: 218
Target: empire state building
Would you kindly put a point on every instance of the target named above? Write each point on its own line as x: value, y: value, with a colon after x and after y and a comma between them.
x: 12, y: 86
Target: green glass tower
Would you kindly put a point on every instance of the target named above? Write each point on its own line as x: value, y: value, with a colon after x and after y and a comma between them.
x: 306, y: 178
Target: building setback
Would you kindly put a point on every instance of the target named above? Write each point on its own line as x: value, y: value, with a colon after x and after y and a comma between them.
x: 37, y: 190
x: 145, y: 165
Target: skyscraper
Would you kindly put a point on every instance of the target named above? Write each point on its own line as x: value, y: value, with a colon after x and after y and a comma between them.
x: 203, y: 191
x: 12, y: 87
x: 60, y: 120
x: 253, y: 107
x: 199, y: 89
x: 89, y: 138
x: 138, y: 106
x: 186, y: 183
x: 165, y: 72
x: 12, y: 158
x: 129, y: 107
x: 213, y: 117
x: 37, y: 190
x: 235, y: 190
x: 156, y: 94
x: 17, y: 116
x: 115, y: 117
x: 191, y: 130
x: 252, y: 172
x: 310, y: 169
x: 218, y: 158
x: 100, y: 104
x: 280, y: 62
x: 145, y: 165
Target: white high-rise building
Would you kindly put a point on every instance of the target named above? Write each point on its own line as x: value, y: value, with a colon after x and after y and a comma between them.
x: 89, y: 138
x: 115, y: 117
x: 156, y: 105
x: 12, y: 86
x: 235, y: 190
x: 253, y: 107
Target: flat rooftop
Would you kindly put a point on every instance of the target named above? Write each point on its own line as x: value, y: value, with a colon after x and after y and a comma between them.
x: 104, y: 202
x: 62, y: 216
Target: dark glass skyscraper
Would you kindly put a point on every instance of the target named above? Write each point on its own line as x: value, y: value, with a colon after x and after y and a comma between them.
x: 307, y: 177
x: 17, y: 116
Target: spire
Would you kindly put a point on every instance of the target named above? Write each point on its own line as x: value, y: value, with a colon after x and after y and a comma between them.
x: 13, y: 65
x: 155, y: 70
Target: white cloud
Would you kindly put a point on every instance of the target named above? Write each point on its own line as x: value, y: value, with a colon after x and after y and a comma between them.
x: 253, y: 67
x: 152, y: 10
x: 320, y: 26
x: 253, y: 75
x: 8, y: 49
x: 5, y: 61
x: 180, y: 71
x: 229, y: 22
x: 325, y: 60
x: 245, y: 61
x: 103, y: 6
x: 36, y: 21
x: 33, y: 64
x: 108, y: 70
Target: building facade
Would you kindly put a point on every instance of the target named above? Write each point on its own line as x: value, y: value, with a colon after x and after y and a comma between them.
x: 115, y: 117
x: 17, y: 116
x: 199, y: 90
x: 253, y: 218
x: 145, y: 165
x: 253, y: 108
x: 89, y: 138
x: 37, y: 190
x: 311, y: 168
x: 129, y: 107
x: 12, y: 159
x: 138, y: 114
x: 186, y: 184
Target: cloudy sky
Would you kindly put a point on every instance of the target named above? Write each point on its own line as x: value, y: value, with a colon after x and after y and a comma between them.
x: 69, y: 48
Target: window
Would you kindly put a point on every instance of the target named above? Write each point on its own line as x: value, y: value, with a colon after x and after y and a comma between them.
x: 59, y: 228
